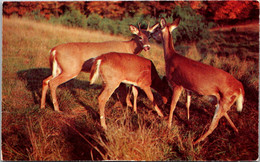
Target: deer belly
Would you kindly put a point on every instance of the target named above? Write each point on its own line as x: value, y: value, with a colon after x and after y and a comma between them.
x: 129, y: 82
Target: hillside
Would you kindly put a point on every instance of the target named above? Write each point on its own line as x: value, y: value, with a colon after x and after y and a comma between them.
x: 30, y: 133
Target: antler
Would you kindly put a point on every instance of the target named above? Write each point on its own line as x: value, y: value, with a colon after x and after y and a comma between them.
x: 148, y: 28
x: 139, y: 25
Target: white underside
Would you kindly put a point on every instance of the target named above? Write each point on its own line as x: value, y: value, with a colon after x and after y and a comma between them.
x: 129, y: 82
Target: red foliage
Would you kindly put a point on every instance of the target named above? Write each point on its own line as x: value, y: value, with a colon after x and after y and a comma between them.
x: 212, y: 10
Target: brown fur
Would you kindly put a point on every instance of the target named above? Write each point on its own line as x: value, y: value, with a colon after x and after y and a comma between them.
x: 184, y: 73
x: 72, y: 58
x: 115, y: 68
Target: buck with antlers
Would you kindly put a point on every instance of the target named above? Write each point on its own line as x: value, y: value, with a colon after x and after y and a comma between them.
x: 115, y: 68
x: 68, y: 60
x: 184, y: 73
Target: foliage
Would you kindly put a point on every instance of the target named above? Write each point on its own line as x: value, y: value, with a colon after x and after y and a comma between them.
x: 93, y: 21
x: 114, y: 17
x: 108, y: 9
x: 231, y: 10
x: 96, y: 22
x: 72, y: 18
x: 35, y: 15
x: 192, y: 27
x: 213, y: 10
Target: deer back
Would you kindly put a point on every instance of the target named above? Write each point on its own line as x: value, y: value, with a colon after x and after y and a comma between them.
x: 125, y: 67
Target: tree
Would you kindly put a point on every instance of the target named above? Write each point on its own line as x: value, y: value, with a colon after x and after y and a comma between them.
x: 231, y: 10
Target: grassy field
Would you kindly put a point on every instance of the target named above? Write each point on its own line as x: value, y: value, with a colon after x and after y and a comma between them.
x: 29, y: 133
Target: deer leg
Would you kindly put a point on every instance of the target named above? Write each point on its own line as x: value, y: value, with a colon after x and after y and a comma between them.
x: 188, y: 103
x: 102, y: 99
x: 230, y: 122
x: 54, y: 83
x: 124, y: 95
x: 135, y: 93
x: 44, y: 90
x: 218, y: 114
x: 175, y: 97
x: 128, y: 101
x: 230, y: 102
x: 221, y: 110
x: 149, y: 94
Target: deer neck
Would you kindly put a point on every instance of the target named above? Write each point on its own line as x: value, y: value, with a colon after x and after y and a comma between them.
x: 168, y: 45
x: 134, y: 46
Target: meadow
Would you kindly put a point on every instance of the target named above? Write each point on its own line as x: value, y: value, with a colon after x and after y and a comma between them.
x: 30, y: 133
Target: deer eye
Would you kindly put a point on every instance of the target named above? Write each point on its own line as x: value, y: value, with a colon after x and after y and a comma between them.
x: 140, y: 38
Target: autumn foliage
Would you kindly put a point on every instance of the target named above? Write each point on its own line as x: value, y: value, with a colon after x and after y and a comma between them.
x: 218, y: 11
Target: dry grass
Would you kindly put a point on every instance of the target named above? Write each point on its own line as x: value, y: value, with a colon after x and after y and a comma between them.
x: 29, y: 133
x: 42, y: 37
x: 45, y: 147
x: 134, y: 140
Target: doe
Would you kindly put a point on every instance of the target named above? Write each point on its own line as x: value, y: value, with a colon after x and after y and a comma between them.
x: 115, y: 68
x: 184, y: 73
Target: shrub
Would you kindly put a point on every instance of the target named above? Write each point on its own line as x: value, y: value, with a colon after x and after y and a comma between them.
x: 93, y: 21
x: 109, y: 26
x: 192, y: 27
x: 35, y: 15
x: 96, y: 22
x: 71, y: 18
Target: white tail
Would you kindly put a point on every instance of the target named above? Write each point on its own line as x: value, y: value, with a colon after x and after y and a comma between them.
x: 96, y: 73
x: 184, y: 73
x: 68, y: 60
x: 55, y: 67
x: 240, y: 101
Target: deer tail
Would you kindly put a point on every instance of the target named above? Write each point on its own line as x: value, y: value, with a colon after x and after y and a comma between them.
x: 56, y: 70
x: 94, y: 72
x: 240, y: 101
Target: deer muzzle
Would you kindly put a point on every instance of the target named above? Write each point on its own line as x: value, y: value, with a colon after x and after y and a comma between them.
x: 146, y: 47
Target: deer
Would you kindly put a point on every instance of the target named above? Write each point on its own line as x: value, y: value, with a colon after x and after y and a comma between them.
x: 184, y: 73
x: 69, y: 59
x: 115, y: 68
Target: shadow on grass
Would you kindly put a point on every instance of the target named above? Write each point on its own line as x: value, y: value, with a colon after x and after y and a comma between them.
x: 82, y: 140
x: 34, y: 78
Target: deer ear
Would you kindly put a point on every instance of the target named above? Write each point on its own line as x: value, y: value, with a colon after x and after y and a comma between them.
x: 134, y: 30
x: 162, y: 23
x: 174, y: 25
